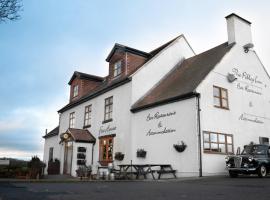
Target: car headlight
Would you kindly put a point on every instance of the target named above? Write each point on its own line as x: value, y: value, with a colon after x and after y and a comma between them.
x: 250, y: 159
x: 227, y: 158
x: 245, y: 164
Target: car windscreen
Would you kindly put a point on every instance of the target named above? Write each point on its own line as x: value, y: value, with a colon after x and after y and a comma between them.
x: 254, y: 150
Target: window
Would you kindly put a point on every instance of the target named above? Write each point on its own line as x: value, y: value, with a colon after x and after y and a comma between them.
x: 217, y: 143
x: 72, y: 120
x: 75, y: 90
x: 51, y: 153
x: 264, y: 140
x: 87, y: 115
x: 117, y: 70
x: 108, y: 109
x: 106, y: 149
x: 220, y: 97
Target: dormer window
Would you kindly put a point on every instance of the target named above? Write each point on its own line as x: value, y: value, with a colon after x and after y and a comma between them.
x: 117, y: 68
x: 75, y: 90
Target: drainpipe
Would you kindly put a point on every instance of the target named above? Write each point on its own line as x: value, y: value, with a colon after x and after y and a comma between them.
x: 92, y: 159
x: 199, y: 133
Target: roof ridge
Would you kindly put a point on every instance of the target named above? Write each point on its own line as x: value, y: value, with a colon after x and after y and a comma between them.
x: 126, y: 48
x: 158, y: 49
x: 208, y: 50
x: 86, y: 76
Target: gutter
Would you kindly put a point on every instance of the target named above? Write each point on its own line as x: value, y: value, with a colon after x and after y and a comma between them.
x: 163, y: 102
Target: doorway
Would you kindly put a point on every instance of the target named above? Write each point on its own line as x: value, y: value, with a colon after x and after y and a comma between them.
x: 68, y: 157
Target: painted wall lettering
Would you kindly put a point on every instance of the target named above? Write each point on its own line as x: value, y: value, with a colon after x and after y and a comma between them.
x: 251, y: 118
x: 160, y: 128
x: 107, y: 130
x: 163, y: 131
x: 251, y: 78
x: 158, y: 115
x: 248, y: 89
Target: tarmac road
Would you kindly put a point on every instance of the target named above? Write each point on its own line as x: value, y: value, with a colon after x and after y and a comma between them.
x: 214, y: 188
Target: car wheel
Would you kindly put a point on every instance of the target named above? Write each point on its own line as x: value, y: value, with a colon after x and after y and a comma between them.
x: 233, y: 174
x: 262, y: 171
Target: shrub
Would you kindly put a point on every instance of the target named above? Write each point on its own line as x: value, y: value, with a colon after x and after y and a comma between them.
x: 36, y: 167
x: 119, y: 156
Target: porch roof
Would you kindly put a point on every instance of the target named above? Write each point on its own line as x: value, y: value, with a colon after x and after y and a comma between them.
x: 81, y: 135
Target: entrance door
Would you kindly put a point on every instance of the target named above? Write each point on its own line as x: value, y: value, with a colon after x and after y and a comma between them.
x: 68, y: 157
x: 106, y: 150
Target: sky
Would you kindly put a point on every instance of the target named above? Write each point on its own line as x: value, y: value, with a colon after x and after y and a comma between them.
x: 40, y: 52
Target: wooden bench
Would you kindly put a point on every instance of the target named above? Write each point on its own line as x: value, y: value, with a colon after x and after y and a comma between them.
x: 166, y: 169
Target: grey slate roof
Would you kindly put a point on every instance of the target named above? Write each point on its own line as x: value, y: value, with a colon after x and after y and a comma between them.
x: 85, y: 76
x: 183, y: 80
x: 127, y: 49
x: 52, y: 133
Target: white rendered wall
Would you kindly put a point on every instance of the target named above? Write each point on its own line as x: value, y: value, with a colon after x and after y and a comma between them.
x: 88, y: 147
x: 159, y: 147
x: 154, y: 70
x: 50, y: 142
x: 242, y: 104
x: 121, y: 120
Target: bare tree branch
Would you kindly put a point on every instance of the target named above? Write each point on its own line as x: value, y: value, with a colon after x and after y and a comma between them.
x: 9, y: 10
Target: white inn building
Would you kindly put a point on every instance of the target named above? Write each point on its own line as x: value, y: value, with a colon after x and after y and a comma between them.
x: 215, y: 102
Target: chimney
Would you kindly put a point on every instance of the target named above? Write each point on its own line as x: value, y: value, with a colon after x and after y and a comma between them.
x: 239, y: 30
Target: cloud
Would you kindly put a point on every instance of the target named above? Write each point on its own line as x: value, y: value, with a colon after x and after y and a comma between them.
x: 13, y: 153
x: 22, y: 129
x: 8, y: 125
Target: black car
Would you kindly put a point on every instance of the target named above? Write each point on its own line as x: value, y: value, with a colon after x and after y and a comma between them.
x: 255, y: 159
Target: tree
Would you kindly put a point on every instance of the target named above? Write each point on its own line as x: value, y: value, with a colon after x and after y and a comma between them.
x: 9, y: 10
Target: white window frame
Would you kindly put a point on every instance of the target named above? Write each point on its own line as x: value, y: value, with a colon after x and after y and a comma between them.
x: 75, y: 90
x: 117, y: 68
x: 72, y: 120
x: 87, y: 115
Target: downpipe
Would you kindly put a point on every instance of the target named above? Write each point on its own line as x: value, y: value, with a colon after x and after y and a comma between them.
x: 199, y: 132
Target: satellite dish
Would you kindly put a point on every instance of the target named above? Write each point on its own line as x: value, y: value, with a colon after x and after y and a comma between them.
x: 231, y: 78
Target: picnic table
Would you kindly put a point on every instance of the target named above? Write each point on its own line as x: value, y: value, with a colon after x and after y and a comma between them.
x: 139, y: 170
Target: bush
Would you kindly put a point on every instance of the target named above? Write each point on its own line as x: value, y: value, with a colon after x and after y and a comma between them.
x: 84, y: 171
x: 36, y: 167
x: 119, y: 156
x: 16, y: 168
x: 141, y: 153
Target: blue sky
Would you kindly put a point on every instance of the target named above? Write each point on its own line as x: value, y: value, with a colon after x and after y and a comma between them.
x: 39, y: 53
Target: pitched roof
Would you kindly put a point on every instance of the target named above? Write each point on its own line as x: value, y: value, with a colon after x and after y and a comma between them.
x: 104, y: 87
x: 52, y: 133
x: 160, y: 48
x: 128, y: 49
x: 85, y: 76
x: 139, y: 52
x: 81, y: 135
x: 182, y: 81
x: 108, y: 85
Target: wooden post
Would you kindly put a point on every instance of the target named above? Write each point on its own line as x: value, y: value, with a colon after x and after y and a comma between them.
x: 131, y: 167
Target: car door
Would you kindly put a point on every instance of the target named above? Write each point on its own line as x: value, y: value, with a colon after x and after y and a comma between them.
x: 268, y: 159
